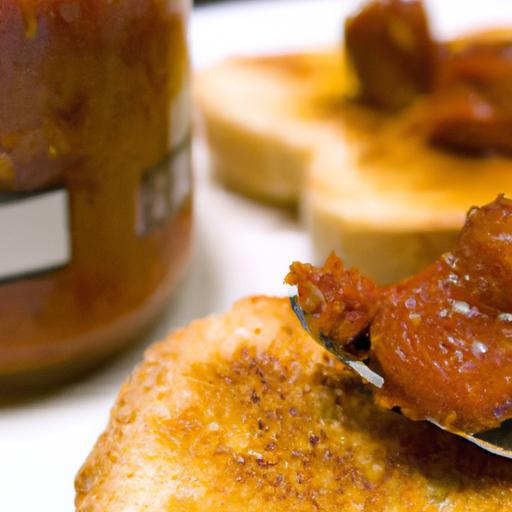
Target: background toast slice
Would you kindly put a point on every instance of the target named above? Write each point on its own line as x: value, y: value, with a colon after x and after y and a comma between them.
x: 284, y: 129
x: 255, y: 114
x: 245, y: 412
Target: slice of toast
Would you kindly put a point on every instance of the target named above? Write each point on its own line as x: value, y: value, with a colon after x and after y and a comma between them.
x: 283, y: 129
x: 245, y: 412
x: 254, y: 112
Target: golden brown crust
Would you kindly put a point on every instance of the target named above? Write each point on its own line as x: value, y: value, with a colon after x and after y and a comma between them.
x: 245, y: 412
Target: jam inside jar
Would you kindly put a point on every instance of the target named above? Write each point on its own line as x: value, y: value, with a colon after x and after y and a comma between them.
x: 95, y: 197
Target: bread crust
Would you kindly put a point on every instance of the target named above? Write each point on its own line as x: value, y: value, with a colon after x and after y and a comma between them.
x: 244, y: 412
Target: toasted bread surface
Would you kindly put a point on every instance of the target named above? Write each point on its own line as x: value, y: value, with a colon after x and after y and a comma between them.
x: 244, y: 412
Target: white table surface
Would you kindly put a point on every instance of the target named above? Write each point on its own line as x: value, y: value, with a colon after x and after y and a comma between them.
x: 241, y: 248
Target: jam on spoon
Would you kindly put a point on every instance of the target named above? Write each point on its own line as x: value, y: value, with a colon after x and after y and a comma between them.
x: 438, y: 345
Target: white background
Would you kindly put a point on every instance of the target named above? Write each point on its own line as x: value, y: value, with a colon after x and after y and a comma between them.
x: 241, y: 248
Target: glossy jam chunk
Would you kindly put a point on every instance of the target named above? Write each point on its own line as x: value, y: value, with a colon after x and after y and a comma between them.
x: 471, y: 108
x: 466, y: 83
x: 483, y: 256
x: 442, y: 339
x: 393, y: 53
x: 443, y: 355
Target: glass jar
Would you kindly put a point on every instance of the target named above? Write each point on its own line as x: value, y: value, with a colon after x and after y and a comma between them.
x: 95, y: 205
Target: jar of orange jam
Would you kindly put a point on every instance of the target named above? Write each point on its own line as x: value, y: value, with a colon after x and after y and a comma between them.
x: 95, y: 204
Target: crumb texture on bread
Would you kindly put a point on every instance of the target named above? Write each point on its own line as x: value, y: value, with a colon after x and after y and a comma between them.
x: 244, y: 412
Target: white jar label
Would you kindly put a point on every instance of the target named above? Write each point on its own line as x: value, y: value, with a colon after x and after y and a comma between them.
x: 164, y: 189
x: 34, y: 233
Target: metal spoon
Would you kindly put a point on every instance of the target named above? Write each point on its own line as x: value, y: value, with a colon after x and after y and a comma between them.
x: 497, y: 441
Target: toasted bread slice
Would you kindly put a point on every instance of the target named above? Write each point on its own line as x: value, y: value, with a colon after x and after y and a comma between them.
x: 283, y: 128
x: 256, y: 120
x: 397, y: 203
x: 245, y: 412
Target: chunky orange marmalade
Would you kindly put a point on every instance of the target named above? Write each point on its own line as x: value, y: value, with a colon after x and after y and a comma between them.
x: 442, y: 339
x: 463, y: 85
x: 94, y: 117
